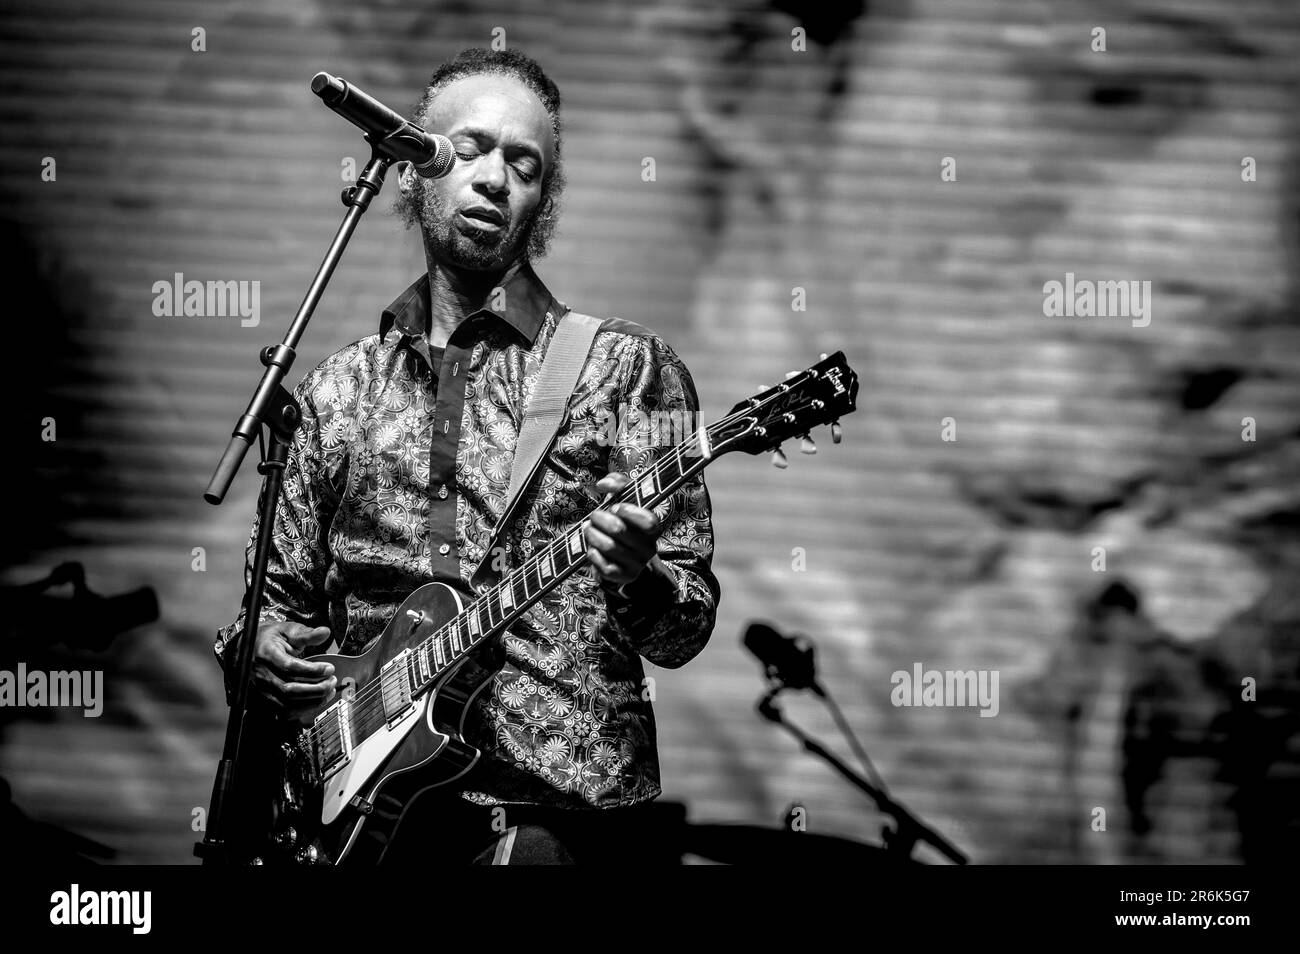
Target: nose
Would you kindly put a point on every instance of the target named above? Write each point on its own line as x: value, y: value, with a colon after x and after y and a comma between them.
x: 490, y: 171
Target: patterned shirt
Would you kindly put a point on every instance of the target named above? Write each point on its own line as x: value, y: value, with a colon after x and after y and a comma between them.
x: 397, y: 476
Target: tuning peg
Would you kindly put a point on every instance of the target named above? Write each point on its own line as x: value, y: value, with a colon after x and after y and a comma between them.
x: 778, y: 459
x: 825, y: 355
x: 790, y: 374
x: 762, y: 388
x: 806, y: 445
x: 836, y: 432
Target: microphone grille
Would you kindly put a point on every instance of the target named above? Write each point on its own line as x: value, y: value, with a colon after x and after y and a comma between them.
x: 444, y: 157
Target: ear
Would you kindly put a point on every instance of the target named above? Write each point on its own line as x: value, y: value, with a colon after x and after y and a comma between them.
x: 405, y: 175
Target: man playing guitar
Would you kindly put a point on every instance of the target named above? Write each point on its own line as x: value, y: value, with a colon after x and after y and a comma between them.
x: 398, y: 477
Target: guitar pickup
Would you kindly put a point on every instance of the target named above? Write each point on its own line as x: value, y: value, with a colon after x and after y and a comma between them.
x: 331, y: 738
x: 395, y: 687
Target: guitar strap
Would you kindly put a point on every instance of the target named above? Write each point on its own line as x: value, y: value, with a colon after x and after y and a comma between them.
x: 543, y: 416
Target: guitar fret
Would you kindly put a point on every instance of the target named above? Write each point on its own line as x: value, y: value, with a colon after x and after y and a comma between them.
x: 646, y: 487
x: 675, y: 458
x: 706, y: 446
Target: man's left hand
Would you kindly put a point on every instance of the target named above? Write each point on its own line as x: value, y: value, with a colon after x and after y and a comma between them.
x: 621, y: 540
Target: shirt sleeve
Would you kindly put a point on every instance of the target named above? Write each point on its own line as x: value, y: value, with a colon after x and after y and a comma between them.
x: 667, y: 613
x: 299, y: 555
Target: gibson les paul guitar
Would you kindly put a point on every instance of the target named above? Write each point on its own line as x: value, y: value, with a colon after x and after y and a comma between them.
x: 337, y: 789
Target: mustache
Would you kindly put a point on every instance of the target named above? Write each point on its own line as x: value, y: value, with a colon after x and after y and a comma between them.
x: 419, y: 209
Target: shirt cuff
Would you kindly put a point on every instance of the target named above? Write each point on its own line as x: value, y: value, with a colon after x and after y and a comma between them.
x: 644, y: 600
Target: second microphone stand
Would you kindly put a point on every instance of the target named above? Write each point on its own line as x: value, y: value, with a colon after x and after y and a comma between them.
x: 907, y: 830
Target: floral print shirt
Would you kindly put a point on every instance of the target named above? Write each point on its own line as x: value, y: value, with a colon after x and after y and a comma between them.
x: 397, y: 476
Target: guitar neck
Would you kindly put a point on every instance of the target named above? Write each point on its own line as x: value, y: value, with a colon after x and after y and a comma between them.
x: 499, y: 606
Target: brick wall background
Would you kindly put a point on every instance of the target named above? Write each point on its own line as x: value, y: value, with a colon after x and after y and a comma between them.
x: 776, y: 169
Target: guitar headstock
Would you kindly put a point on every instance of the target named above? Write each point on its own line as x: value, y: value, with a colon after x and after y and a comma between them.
x: 805, y: 399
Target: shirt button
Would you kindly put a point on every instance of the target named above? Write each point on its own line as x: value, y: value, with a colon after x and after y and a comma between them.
x: 442, y: 492
x: 454, y: 368
x: 444, y: 549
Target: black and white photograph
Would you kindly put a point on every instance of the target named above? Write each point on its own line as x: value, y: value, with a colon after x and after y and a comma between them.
x: 837, y: 439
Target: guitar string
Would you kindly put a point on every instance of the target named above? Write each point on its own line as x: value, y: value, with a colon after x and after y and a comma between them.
x: 367, y: 715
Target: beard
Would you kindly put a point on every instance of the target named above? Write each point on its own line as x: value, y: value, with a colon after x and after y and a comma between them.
x: 450, y: 240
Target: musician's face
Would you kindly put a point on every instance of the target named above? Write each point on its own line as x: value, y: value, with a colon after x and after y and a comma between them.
x: 481, y: 214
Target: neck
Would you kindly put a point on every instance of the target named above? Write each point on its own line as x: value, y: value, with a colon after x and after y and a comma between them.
x: 457, y: 292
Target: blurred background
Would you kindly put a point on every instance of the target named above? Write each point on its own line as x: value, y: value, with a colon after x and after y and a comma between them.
x: 783, y: 161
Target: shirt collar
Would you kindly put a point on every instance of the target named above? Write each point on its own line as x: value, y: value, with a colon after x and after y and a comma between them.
x: 525, y: 304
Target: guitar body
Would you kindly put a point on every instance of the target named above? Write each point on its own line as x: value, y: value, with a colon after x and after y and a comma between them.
x: 350, y: 814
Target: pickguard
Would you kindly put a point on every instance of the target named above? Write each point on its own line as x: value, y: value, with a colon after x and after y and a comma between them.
x: 367, y: 758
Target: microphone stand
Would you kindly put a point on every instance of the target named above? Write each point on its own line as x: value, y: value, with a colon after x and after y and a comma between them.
x: 907, y: 830
x: 275, y: 408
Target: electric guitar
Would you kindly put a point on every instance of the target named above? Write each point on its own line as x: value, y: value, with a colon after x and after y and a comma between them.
x: 337, y: 789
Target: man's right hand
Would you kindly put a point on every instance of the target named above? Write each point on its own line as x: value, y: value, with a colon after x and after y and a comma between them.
x: 294, y: 687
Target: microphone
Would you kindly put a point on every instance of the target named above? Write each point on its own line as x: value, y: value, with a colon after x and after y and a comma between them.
x: 788, y: 659
x: 387, y: 131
